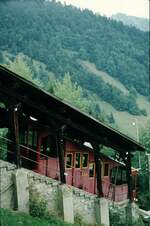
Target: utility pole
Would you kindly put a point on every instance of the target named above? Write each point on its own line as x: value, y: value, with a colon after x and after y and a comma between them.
x: 135, y: 123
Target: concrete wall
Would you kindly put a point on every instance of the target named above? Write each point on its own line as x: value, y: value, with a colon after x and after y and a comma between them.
x: 83, y: 203
x: 7, y: 194
x: 17, y: 185
x: 48, y: 189
x: 63, y: 200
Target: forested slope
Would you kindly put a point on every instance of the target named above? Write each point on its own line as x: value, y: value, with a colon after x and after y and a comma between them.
x: 59, y: 36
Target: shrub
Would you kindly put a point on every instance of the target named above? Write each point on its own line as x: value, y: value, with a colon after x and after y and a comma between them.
x: 144, y: 201
x: 38, y: 205
x: 119, y: 217
x: 3, y: 143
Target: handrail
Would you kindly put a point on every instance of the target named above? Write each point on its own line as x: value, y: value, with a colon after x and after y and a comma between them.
x: 7, y: 142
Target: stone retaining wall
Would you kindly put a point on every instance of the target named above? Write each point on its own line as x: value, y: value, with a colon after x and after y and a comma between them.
x: 17, y: 185
x: 7, y: 196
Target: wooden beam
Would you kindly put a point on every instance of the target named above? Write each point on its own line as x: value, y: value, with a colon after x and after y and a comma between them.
x: 14, y: 134
x: 61, y: 153
x: 129, y: 176
x: 98, y: 168
x: 130, y: 196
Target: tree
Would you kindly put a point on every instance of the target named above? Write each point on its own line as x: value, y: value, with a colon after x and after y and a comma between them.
x: 19, y: 65
x: 111, y: 118
x: 145, y: 136
x: 144, y: 195
x: 61, y: 35
x: 71, y: 92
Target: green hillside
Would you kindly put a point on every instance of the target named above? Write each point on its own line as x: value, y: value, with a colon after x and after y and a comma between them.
x: 124, y: 120
x: 108, y: 60
x: 103, y: 75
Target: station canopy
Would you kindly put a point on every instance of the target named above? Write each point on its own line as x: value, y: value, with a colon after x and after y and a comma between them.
x: 53, y: 111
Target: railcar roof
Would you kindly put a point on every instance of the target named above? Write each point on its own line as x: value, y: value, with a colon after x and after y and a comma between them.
x: 48, y: 107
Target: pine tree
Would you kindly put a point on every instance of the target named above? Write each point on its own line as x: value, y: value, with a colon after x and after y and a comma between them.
x: 71, y: 92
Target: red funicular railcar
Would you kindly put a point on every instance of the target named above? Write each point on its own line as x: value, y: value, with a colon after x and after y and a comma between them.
x: 39, y: 153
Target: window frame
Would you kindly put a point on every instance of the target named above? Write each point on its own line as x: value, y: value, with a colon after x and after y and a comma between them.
x: 122, y: 179
x: 32, y: 137
x: 94, y: 170
x: 106, y: 163
x: 75, y: 160
x: 69, y: 153
x: 84, y: 167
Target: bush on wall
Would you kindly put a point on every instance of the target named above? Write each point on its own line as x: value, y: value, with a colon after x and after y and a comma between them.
x: 38, y: 205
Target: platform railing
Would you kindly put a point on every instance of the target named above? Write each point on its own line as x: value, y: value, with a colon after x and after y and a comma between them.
x: 114, y: 192
x: 30, y: 158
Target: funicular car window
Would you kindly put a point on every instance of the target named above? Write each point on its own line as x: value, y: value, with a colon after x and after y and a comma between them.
x: 78, y: 160
x: 48, y: 147
x: 85, y: 160
x: 23, y: 137
x: 124, y: 179
x: 69, y: 160
x: 32, y: 137
x: 106, y: 169
x: 91, y: 169
x: 44, y: 148
x: 118, y: 176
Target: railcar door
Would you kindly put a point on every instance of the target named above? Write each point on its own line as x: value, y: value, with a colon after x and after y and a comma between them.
x: 69, y: 160
x: 79, y: 171
x: 85, y: 171
x: 92, y: 179
x: 48, y: 163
